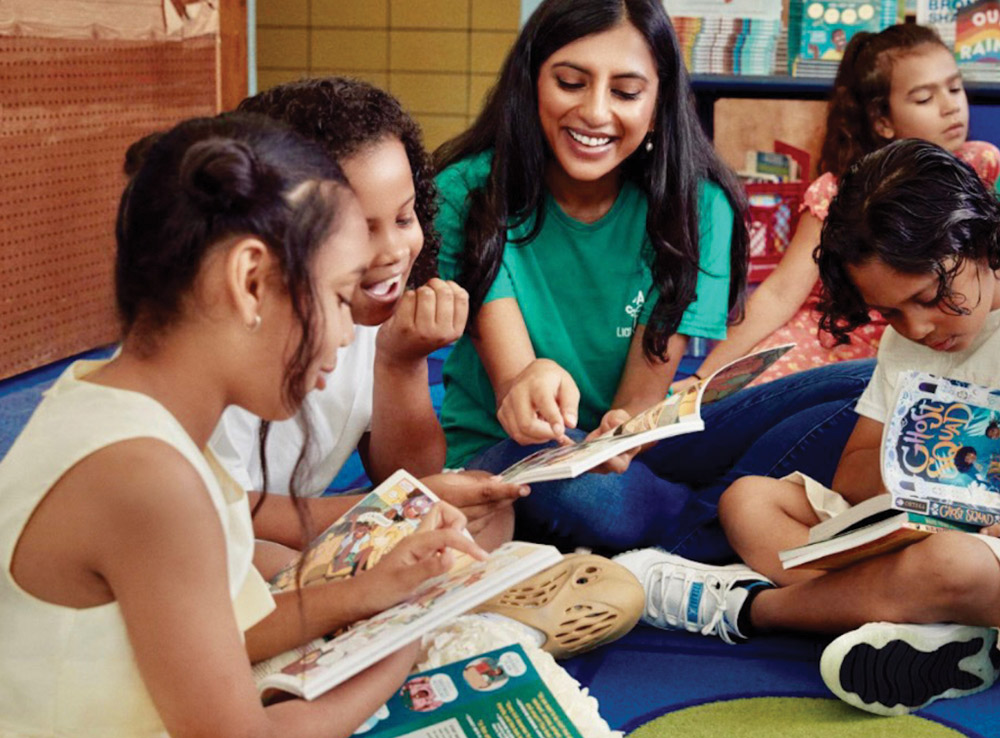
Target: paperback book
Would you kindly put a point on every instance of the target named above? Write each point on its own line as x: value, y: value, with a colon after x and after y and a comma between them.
x: 678, y: 414
x: 497, y: 693
x: 324, y: 663
x: 940, y: 463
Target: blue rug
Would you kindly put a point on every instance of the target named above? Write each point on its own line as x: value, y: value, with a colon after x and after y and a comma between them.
x: 651, y: 676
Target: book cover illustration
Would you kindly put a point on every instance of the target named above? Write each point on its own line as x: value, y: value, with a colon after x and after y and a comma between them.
x: 497, y: 693
x: 365, y: 533
x: 977, y: 31
x: 325, y: 663
x: 941, y: 451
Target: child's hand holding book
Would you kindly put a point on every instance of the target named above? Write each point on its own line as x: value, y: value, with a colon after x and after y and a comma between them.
x: 477, y: 494
x: 427, y: 553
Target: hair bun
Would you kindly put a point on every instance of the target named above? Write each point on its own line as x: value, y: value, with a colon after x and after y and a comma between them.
x: 220, y: 175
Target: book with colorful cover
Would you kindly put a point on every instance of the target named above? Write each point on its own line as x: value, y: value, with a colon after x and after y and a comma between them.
x: 362, y: 535
x: 496, y: 693
x: 324, y: 663
x: 940, y: 462
x: 941, y: 451
x: 676, y: 415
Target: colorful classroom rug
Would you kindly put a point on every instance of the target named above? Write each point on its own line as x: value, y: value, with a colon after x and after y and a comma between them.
x: 659, y: 684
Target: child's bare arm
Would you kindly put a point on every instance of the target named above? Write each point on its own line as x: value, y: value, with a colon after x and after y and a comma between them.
x: 859, y: 475
x: 775, y: 301
x: 405, y: 430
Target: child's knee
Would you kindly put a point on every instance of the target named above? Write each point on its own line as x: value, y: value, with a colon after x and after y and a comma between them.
x: 957, y: 567
x: 744, y: 496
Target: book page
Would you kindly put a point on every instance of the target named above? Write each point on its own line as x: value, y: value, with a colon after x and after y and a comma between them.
x: 941, y: 449
x: 364, y: 534
x: 496, y: 693
x: 437, y: 600
x: 737, y: 374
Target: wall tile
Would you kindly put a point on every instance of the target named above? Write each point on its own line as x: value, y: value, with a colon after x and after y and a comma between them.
x: 480, y: 84
x: 496, y: 15
x: 431, y: 93
x: 349, y: 49
x: 439, y: 128
x: 489, y: 49
x: 283, y: 12
x: 429, y: 13
x: 429, y: 51
x: 282, y: 48
x: 350, y: 13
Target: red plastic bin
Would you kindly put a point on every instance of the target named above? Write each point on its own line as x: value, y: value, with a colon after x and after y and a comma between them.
x: 774, y: 214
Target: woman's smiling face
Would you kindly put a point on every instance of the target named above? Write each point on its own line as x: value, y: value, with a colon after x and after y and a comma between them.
x: 597, y: 101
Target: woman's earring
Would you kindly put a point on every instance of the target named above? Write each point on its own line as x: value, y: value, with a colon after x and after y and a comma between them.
x: 255, y: 325
x: 649, y: 145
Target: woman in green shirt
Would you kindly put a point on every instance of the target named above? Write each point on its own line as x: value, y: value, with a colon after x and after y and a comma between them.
x: 595, y: 230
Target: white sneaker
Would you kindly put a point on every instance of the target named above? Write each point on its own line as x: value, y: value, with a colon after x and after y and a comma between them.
x: 894, y: 669
x: 700, y: 598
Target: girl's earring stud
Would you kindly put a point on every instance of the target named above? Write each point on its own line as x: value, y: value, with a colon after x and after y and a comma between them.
x: 255, y: 325
x: 649, y: 145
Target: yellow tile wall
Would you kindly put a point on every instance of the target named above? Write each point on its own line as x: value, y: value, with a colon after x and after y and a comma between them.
x: 439, y: 57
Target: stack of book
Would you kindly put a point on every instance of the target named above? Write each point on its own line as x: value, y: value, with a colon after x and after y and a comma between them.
x: 727, y: 36
x: 972, y: 29
x: 818, y: 31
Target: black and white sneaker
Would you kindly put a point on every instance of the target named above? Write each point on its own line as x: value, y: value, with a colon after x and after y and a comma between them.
x: 894, y: 669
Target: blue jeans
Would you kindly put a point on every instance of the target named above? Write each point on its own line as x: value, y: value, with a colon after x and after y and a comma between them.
x: 669, y: 494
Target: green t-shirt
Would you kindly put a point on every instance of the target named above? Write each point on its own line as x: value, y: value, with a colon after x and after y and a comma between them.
x: 581, y: 287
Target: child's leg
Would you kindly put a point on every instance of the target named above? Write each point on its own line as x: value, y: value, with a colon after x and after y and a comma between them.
x: 944, y: 578
x: 605, y: 512
x: 762, y: 516
x: 269, y: 557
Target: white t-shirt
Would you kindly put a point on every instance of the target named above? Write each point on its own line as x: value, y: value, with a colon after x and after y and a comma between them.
x: 980, y: 364
x: 340, y: 415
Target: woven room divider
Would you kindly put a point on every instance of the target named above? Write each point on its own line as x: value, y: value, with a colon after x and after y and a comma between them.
x: 68, y: 111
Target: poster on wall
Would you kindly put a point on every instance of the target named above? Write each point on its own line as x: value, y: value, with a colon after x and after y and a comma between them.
x: 145, y: 20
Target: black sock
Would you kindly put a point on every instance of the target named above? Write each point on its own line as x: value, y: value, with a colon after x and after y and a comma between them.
x: 743, y: 622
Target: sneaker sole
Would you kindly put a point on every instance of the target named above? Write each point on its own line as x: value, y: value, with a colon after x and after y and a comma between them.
x: 896, y: 669
x: 580, y: 603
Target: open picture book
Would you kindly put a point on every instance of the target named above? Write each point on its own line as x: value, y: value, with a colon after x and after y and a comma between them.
x: 355, y: 543
x: 940, y: 462
x: 495, y: 693
x: 677, y: 414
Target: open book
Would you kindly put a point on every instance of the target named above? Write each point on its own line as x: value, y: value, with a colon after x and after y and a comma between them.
x: 313, y: 669
x: 674, y: 416
x: 499, y: 690
x: 940, y: 464
x: 362, y: 535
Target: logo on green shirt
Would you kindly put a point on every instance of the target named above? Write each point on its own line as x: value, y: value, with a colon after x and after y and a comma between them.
x: 632, y: 310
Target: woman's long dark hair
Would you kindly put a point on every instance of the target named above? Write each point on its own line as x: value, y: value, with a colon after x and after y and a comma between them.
x: 346, y: 116
x: 914, y: 207
x: 861, y: 92
x: 669, y: 175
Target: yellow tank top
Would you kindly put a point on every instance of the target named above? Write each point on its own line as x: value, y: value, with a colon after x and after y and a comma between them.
x: 71, y: 672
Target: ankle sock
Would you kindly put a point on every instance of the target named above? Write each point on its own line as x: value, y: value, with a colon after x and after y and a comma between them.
x: 743, y: 623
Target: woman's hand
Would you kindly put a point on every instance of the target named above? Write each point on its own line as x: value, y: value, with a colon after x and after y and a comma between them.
x: 539, y: 404
x: 422, y: 555
x: 426, y: 319
x: 477, y: 494
x: 682, y: 385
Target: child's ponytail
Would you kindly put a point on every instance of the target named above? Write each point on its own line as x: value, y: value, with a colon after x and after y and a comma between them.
x: 861, y: 92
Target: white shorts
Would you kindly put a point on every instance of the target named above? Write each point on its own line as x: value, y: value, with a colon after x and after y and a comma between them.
x: 826, y: 503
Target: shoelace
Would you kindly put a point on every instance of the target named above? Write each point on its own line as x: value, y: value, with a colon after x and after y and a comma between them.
x: 714, y: 588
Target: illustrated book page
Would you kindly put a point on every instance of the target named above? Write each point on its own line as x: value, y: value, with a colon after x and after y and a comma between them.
x: 325, y: 663
x: 677, y: 414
